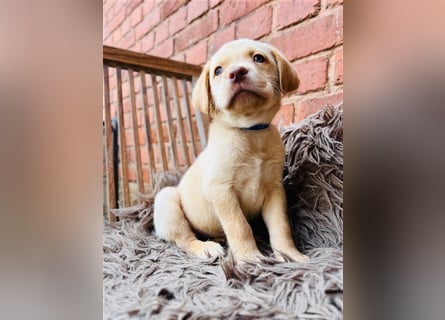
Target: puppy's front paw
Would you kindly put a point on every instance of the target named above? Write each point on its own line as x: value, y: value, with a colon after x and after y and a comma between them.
x: 300, y: 257
x: 213, y: 249
x: 254, y: 256
x: 208, y: 249
x: 294, y: 255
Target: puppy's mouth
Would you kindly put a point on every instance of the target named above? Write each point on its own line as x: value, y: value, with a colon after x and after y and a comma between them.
x: 244, y: 94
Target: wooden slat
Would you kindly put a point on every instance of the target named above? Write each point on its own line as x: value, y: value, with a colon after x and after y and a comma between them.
x: 139, y: 61
x: 188, y: 117
x: 161, y: 72
x: 109, y: 147
x: 147, y: 127
x: 174, y: 153
x: 158, y: 123
x: 140, y: 175
x: 123, y: 143
x: 180, y: 121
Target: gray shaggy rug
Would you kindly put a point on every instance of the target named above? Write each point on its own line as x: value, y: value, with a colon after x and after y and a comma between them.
x: 146, y: 278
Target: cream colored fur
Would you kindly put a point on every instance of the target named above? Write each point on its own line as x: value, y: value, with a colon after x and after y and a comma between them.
x: 238, y: 175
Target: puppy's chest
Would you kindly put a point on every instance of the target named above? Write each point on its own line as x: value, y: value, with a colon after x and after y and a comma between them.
x: 253, y: 177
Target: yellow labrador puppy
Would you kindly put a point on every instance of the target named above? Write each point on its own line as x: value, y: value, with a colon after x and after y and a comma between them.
x: 238, y: 175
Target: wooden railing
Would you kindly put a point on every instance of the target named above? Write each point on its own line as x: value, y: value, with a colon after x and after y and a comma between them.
x: 158, y: 130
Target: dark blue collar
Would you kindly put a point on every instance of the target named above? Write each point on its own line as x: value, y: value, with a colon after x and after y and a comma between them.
x: 256, y: 127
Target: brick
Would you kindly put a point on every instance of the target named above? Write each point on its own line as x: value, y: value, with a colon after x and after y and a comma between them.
x: 331, y: 3
x: 313, y: 74
x: 285, y: 115
x: 136, y: 17
x: 192, y: 156
x: 113, y: 110
x: 231, y: 10
x: 116, y: 37
x: 125, y: 26
x: 196, y: 9
x: 150, y: 108
x: 338, y: 66
x: 147, y: 180
x: 157, y: 158
x: 181, y: 159
x: 137, y: 46
x: 162, y: 113
x: 180, y: 90
x: 197, y: 54
x: 148, y: 6
x: 147, y: 42
x: 131, y: 173
x: 105, y: 32
x: 139, y: 115
x: 126, y: 105
x: 161, y: 32
x: 153, y: 136
x: 129, y: 138
x: 318, y: 34
x: 197, y: 31
x: 256, y: 25
x: 150, y: 20
x: 165, y: 132
x: 312, y: 105
x: 124, y: 75
x: 214, y: 3
x: 119, y: 6
x: 144, y: 153
x: 141, y: 134
x: 130, y: 135
x: 178, y: 20
x: 127, y: 41
x: 170, y: 6
x: 164, y: 49
x: 221, y: 37
x: 137, y: 88
x: 127, y: 121
x: 117, y: 20
x: 107, y: 7
x: 178, y: 57
x: 130, y: 151
x: 108, y: 41
x: 125, y: 89
x: 187, y: 133
x: 131, y: 5
x: 146, y: 173
x: 291, y: 12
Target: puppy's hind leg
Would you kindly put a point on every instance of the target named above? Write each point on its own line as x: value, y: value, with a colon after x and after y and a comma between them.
x: 171, y: 224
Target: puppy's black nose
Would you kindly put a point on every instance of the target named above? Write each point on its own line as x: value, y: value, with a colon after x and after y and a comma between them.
x: 238, y: 74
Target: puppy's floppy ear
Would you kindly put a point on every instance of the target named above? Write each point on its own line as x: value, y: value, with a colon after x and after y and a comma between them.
x: 287, y: 75
x: 202, y: 96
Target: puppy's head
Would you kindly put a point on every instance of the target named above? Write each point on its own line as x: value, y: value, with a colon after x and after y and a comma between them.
x: 243, y: 82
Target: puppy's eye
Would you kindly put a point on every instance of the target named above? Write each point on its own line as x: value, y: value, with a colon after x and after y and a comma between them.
x: 258, y: 58
x: 218, y: 71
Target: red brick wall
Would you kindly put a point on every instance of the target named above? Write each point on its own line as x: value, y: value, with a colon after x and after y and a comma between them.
x: 308, y: 32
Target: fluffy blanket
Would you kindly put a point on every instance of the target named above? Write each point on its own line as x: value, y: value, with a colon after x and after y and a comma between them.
x: 145, y: 277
